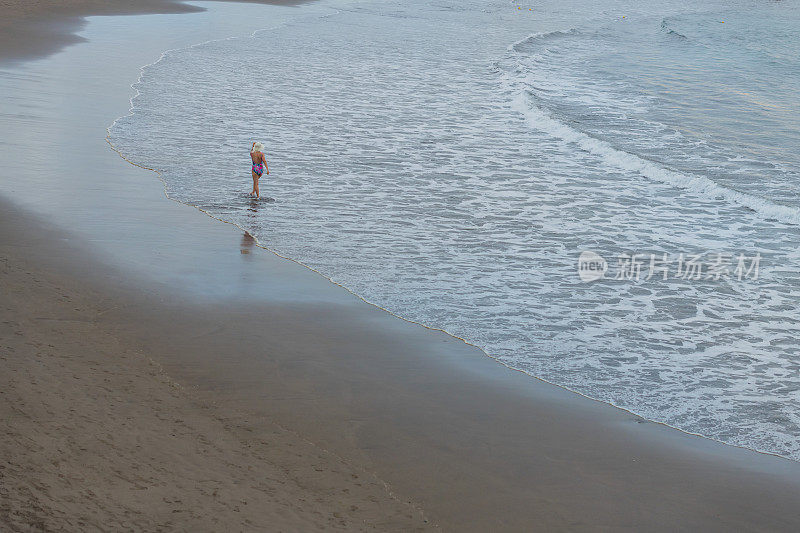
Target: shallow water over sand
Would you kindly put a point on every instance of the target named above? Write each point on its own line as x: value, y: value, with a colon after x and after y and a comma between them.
x: 451, y: 161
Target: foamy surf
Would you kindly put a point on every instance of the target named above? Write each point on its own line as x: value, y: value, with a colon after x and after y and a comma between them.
x: 541, y: 35
x: 541, y: 120
x: 407, y: 176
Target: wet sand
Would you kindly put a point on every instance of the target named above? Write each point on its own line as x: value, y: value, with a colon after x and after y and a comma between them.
x: 439, y: 427
x: 33, y: 28
x: 96, y: 436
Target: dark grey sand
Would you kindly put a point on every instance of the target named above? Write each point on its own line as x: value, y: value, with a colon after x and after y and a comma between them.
x: 152, y: 354
x: 96, y: 436
x: 32, y: 28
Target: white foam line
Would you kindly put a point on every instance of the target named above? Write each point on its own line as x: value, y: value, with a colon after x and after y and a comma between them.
x: 539, y: 119
x: 539, y: 35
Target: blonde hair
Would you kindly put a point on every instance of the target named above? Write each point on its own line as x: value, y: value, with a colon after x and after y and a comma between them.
x: 257, y: 147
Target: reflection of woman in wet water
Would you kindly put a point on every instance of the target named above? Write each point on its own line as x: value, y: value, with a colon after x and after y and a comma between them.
x: 259, y: 165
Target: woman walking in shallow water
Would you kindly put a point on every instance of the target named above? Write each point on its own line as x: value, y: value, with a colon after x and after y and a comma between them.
x: 259, y: 165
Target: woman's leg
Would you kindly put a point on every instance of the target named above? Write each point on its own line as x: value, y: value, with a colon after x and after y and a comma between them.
x: 255, y: 185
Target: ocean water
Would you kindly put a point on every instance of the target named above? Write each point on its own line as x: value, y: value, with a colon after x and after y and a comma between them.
x: 450, y: 161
